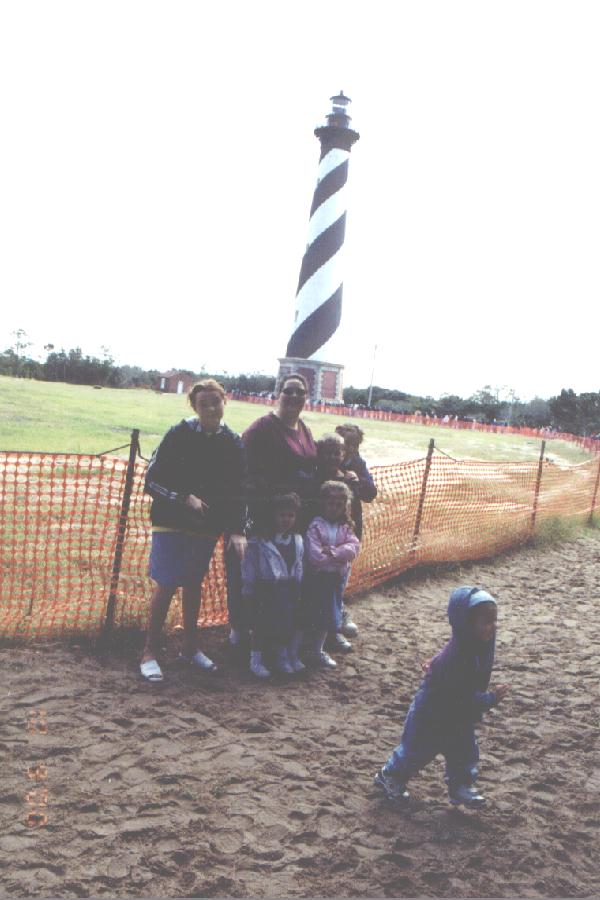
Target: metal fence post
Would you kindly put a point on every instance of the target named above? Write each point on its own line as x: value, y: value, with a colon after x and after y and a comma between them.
x: 595, y: 495
x: 422, y: 497
x: 122, y: 527
x: 538, y: 482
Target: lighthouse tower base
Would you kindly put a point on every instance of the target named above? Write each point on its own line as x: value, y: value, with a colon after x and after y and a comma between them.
x: 325, y: 380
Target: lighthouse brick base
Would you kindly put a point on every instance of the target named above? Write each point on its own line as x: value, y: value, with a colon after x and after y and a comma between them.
x: 325, y: 380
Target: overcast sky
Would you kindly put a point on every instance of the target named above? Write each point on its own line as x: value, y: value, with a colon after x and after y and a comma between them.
x: 157, y: 165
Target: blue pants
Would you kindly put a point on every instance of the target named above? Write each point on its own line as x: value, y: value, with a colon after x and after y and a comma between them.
x: 322, y: 594
x: 423, y: 738
x: 274, y: 611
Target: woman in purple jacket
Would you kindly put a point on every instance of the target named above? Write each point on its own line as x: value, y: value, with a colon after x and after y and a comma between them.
x: 281, y: 455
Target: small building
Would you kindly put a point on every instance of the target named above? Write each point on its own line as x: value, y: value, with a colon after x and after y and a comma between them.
x: 175, y: 382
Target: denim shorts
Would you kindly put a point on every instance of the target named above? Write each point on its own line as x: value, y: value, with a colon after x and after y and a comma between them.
x: 178, y: 559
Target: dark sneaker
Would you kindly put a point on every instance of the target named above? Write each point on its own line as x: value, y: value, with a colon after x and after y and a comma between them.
x: 466, y: 795
x: 349, y: 628
x: 393, y: 788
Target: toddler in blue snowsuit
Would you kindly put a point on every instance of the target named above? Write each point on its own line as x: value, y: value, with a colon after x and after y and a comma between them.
x: 450, y: 701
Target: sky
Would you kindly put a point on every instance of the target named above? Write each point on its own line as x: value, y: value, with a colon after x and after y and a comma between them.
x: 158, y: 161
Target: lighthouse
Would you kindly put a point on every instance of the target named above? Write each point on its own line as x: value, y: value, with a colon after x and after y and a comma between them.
x: 318, y: 306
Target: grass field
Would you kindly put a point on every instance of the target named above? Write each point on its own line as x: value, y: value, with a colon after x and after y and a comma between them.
x: 57, y: 417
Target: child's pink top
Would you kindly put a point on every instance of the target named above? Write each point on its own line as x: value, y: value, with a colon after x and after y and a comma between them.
x: 340, y: 538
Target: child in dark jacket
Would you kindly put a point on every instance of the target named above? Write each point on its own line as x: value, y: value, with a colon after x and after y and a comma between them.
x: 450, y: 701
x: 272, y: 570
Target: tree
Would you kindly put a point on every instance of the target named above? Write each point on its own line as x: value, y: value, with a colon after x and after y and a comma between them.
x: 564, y: 410
x: 20, y: 344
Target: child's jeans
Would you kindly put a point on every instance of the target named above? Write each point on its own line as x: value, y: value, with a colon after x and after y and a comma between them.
x: 423, y: 739
x: 322, y: 593
x: 274, y: 613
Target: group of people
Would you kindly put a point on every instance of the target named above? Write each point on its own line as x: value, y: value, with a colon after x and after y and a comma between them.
x: 290, y: 509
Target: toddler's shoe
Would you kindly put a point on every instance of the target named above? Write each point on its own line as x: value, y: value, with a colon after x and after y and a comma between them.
x: 349, y: 628
x: 283, y: 664
x: 199, y: 661
x: 392, y: 787
x: 320, y: 660
x: 324, y: 661
x: 257, y: 667
x: 466, y: 795
x: 339, y: 643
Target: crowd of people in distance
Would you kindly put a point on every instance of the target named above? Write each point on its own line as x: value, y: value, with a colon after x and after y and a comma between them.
x: 290, y: 511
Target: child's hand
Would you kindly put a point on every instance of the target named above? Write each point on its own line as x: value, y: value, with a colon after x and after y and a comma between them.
x: 350, y: 476
x: 426, y: 666
x: 327, y: 551
x: 501, y: 691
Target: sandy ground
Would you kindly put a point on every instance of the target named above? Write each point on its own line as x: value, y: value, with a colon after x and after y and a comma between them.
x: 220, y: 786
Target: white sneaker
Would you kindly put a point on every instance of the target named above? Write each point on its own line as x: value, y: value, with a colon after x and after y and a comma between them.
x: 324, y: 661
x: 283, y: 664
x: 338, y: 643
x: 258, y: 668
x: 349, y: 628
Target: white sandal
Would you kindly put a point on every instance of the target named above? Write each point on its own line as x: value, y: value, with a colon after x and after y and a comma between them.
x: 151, y: 671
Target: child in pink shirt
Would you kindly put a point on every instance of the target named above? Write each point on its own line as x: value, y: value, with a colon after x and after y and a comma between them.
x: 330, y: 547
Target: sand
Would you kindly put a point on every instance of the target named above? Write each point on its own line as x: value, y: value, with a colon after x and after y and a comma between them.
x: 221, y: 786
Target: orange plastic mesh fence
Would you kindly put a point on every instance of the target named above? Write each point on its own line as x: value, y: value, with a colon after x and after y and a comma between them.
x: 59, y: 519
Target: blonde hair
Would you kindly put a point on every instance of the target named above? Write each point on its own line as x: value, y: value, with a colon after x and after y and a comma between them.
x: 329, y: 489
x: 206, y: 384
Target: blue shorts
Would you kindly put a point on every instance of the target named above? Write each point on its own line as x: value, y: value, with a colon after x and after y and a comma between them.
x: 178, y: 559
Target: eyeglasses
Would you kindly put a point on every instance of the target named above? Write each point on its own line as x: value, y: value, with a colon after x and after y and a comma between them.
x: 294, y: 392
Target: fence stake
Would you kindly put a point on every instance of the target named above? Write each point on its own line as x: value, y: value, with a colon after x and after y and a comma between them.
x: 595, y: 494
x: 538, y: 482
x: 116, y: 571
x: 422, y: 497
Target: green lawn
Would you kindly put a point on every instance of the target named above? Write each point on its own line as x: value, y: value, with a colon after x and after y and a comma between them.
x: 57, y: 417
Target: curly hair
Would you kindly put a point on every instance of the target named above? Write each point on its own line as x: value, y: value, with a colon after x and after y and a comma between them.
x: 349, y: 429
x: 329, y: 488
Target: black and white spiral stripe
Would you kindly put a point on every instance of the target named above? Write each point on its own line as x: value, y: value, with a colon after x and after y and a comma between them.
x: 319, y: 294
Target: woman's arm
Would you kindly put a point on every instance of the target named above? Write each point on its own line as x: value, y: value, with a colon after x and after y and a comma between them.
x: 163, y: 479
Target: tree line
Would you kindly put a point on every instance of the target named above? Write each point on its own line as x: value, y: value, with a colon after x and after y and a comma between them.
x: 569, y: 412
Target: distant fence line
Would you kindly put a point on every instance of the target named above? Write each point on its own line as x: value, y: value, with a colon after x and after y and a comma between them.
x: 75, y: 531
x: 588, y: 443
